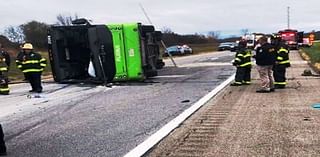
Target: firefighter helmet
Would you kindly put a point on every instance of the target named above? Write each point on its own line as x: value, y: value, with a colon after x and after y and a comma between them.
x: 242, y: 44
x: 307, y: 72
x: 27, y: 46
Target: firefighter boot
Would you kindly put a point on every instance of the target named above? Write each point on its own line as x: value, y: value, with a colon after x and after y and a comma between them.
x: 236, y: 84
x: 4, y: 88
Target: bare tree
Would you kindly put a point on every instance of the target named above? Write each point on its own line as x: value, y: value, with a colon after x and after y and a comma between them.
x: 214, y: 34
x: 244, y: 31
x: 166, y: 30
x: 65, y: 20
x: 36, y: 33
x: 15, y: 34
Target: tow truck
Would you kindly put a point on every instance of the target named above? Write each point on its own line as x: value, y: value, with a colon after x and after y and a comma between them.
x: 252, y: 39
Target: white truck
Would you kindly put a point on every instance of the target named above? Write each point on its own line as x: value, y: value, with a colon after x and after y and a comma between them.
x: 252, y: 39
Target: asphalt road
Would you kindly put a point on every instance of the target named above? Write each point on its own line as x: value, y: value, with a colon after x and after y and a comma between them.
x: 85, y: 120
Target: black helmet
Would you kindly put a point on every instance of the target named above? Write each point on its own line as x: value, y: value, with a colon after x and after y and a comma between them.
x: 275, y: 39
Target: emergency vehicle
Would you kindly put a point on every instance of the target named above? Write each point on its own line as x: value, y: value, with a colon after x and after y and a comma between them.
x: 290, y: 36
x: 252, y: 39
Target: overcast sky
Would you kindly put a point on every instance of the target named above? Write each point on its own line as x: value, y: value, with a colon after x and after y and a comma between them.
x: 181, y: 16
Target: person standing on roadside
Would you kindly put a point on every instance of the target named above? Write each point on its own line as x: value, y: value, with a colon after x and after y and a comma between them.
x: 265, y: 59
x: 32, y: 65
x: 282, y: 63
x: 20, y: 54
x: 4, y: 68
x: 6, y: 55
x: 243, y: 63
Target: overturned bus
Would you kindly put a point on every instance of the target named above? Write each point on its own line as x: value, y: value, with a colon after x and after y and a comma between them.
x: 104, y: 53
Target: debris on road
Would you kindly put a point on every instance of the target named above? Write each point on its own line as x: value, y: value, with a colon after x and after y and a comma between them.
x: 185, y: 101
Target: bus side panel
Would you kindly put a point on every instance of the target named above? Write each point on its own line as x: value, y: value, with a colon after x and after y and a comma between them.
x: 119, y: 49
x: 133, y: 51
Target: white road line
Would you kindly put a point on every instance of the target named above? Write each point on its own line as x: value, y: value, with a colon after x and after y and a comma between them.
x: 169, y: 76
x: 206, y: 64
x: 154, y: 139
x: 214, y: 58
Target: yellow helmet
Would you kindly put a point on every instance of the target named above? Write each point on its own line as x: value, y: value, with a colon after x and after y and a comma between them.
x: 27, y: 46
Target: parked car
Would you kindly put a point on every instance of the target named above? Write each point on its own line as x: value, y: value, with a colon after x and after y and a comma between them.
x: 232, y: 46
x: 178, y: 50
x: 187, y: 49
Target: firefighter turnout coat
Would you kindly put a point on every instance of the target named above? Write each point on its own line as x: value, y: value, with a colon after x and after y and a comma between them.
x: 31, y: 63
x: 243, y: 63
x: 279, y: 69
x: 4, y: 88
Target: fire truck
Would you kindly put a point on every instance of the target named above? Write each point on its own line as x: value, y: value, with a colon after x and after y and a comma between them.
x: 292, y: 37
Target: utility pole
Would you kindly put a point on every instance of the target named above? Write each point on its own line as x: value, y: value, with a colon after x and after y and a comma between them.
x: 288, y: 12
x: 162, y: 42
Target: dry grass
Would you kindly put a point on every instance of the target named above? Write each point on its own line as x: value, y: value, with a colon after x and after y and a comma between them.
x: 312, y: 55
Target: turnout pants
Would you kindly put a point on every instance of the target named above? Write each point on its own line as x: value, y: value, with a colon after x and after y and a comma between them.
x: 3, y: 148
x: 240, y: 73
x: 34, y: 79
x: 243, y: 75
x: 265, y: 73
x: 279, y: 74
x: 4, y: 85
x: 247, y: 75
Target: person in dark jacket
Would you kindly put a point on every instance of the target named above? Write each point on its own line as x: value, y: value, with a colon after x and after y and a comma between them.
x: 243, y: 63
x: 20, y: 54
x: 32, y: 65
x: 6, y: 55
x: 265, y: 59
x: 4, y: 68
x: 3, y: 148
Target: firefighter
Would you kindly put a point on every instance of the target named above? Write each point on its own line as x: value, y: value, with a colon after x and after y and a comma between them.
x: 3, y: 149
x: 282, y: 62
x: 4, y: 87
x: 20, y: 54
x: 6, y: 55
x: 32, y: 65
x: 243, y: 63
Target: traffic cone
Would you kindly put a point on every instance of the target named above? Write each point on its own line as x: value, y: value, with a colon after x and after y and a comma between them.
x: 3, y: 149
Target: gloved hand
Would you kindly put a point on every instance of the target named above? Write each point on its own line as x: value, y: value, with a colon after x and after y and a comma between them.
x: 233, y: 62
x: 2, y: 81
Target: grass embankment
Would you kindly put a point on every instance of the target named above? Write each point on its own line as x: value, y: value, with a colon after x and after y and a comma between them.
x: 201, y: 48
x: 15, y: 75
x: 312, y: 54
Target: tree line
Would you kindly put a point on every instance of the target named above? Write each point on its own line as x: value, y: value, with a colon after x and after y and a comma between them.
x: 36, y: 33
x: 33, y: 31
x: 172, y: 38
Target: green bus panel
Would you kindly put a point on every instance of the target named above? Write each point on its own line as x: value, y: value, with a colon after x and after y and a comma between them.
x: 119, y: 55
x: 133, y: 51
